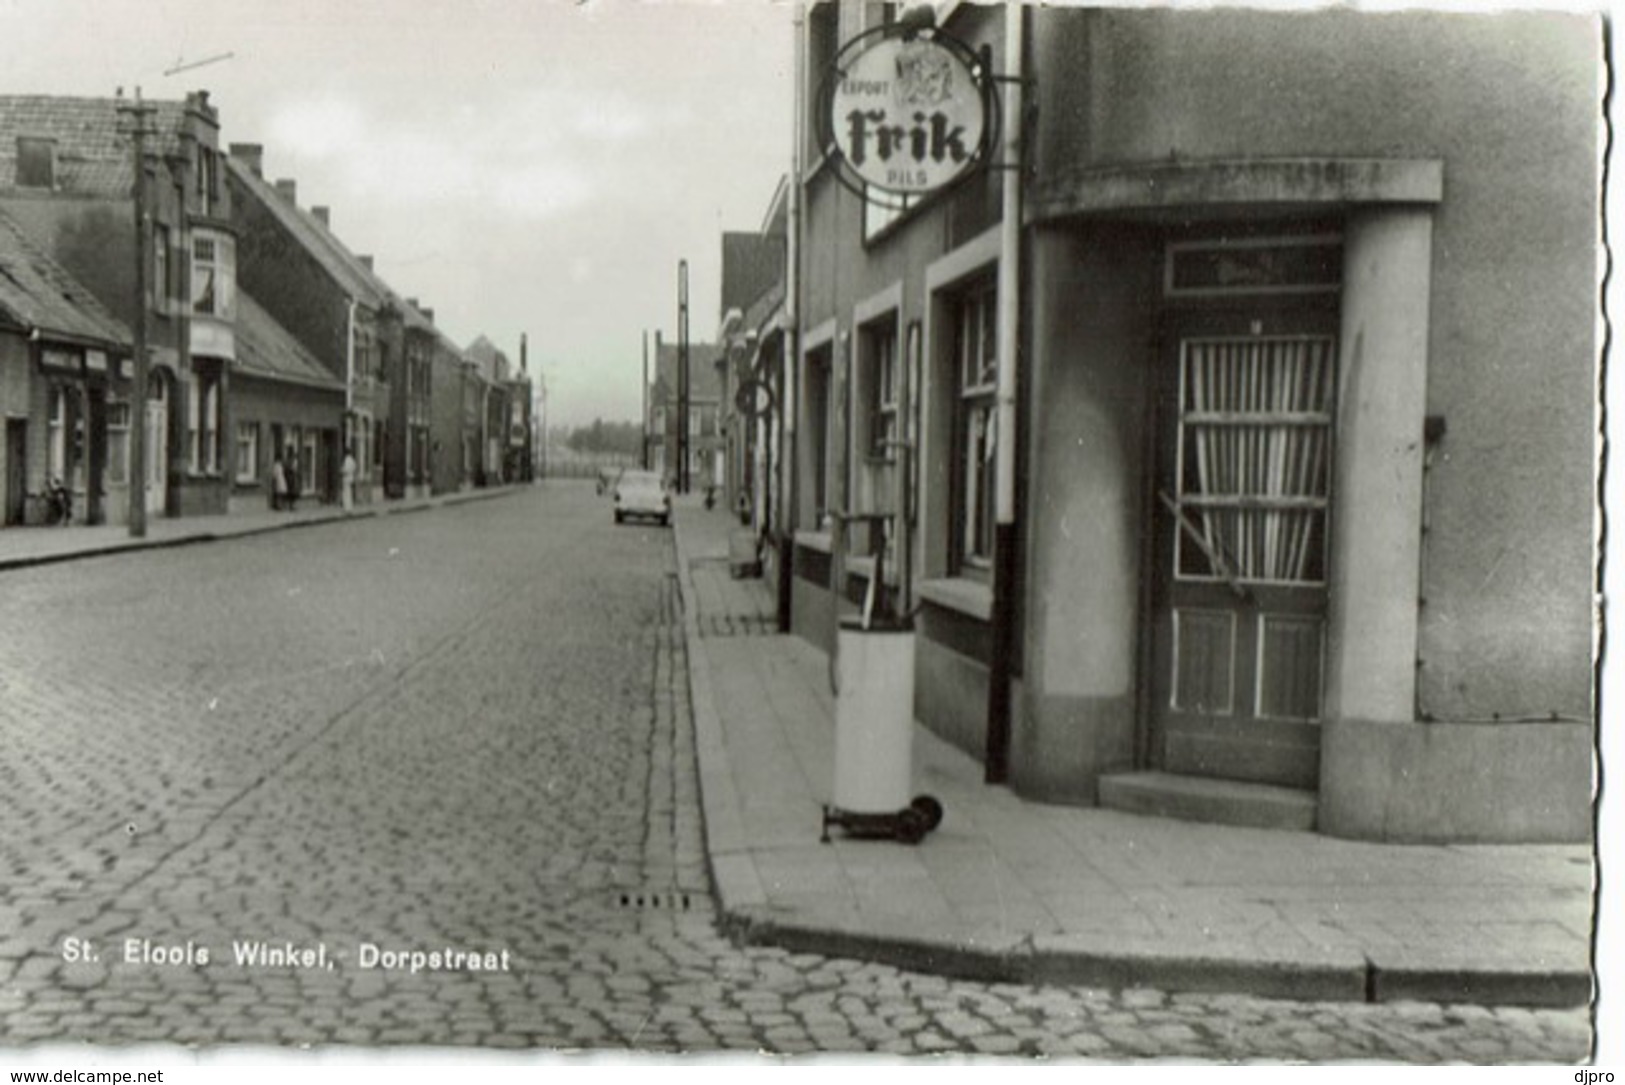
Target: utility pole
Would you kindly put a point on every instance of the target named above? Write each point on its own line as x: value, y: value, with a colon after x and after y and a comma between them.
x: 682, y: 376
x: 138, y: 115
x: 643, y: 426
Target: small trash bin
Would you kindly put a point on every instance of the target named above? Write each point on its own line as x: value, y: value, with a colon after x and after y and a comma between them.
x: 874, y: 737
x: 874, y: 719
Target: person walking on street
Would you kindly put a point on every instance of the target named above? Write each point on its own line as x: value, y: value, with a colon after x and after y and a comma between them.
x: 279, y: 485
x: 292, y: 472
x: 349, y: 468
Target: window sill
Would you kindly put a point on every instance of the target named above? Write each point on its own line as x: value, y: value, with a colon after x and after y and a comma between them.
x: 957, y: 593
x: 815, y: 540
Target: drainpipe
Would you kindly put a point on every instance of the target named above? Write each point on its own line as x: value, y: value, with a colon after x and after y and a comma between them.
x: 789, y: 493
x: 349, y: 376
x: 997, y: 763
x: 349, y: 359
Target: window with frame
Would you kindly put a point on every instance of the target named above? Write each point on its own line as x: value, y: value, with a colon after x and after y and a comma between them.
x: 214, y: 276
x: 823, y: 40
x: 118, y: 443
x: 248, y: 451
x: 974, y: 315
x: 818, y: 424
x: 361, y: 445
x: 307, y: 462
x: 160, y: 265
x: 208, y: 180
x: 203, y: 421
x: 56, y: 428
x: 880, y: 386
x: 881, y: 209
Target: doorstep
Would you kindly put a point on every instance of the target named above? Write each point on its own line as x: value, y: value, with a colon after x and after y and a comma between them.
x: 1217, y: 802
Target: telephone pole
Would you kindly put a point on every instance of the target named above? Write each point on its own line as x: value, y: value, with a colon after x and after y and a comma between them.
x: 138, y: 115
x: 682, y: 376
x: 643, y: 428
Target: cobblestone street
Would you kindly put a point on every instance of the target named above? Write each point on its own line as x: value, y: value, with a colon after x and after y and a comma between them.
x: 465, y: 729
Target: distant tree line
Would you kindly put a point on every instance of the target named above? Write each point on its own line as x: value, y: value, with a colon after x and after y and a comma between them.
x: 615, y: 437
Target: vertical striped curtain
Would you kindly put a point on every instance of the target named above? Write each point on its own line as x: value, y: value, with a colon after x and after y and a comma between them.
x: 1256, y: 417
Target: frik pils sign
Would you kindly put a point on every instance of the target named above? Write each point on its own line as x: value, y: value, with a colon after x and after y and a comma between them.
x: 907, y: 113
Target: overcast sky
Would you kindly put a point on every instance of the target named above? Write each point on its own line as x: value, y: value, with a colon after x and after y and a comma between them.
x: 533, y: 166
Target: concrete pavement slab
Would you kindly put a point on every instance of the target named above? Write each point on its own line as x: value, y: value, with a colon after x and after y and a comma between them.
x: 1009, y: 889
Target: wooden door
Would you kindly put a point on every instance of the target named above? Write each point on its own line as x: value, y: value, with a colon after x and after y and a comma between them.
x: 1243, y: 493
x: 16, y: 469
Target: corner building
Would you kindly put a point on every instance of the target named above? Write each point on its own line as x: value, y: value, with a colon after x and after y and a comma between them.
x: 1306, y: 408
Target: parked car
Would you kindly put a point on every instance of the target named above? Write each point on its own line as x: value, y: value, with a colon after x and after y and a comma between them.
x: 642, y: 493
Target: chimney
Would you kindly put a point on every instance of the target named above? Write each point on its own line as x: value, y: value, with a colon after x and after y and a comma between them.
x: 366, y: 262
x: 428, y: 314
x: 36, y: 162
x: 323, y: 216
x: 251, y: 155
x: 522, y: 352
x: 287, y: 189
x: 413, y: 302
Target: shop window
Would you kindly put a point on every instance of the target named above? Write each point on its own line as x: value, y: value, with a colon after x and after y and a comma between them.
x: 118, y: 443
x: 248, y: 451
x: 975, y: 362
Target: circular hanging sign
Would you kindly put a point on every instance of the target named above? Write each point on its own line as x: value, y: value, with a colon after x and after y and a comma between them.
x: 908, y: 114
x: 753, y: 399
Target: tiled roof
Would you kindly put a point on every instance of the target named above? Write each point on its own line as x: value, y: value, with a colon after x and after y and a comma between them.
x: 751, y: 264
x: 92, y: 154
x: 37, y: 292
x: 267, y: 349
x: 484, y: 354
x: 765, y: 308
x: 317, y: 240
x: 702, y: 370
x: 346, y: 268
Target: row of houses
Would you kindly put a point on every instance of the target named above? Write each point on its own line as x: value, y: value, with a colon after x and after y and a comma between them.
x: 268, y: 339
x: 1228, y: 432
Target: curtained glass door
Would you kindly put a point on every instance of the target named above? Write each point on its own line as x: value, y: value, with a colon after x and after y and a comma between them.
x: 1243, y: 495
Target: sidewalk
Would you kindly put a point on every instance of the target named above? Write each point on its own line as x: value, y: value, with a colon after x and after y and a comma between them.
x: 1016, y: 891
x: 24, y: 546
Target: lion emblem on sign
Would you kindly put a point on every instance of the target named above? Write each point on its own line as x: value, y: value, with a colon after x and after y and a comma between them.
x: 925, y: 75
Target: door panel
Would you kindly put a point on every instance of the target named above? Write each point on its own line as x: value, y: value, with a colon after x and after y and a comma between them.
x: 16, y: 470
x: 1239, y: 583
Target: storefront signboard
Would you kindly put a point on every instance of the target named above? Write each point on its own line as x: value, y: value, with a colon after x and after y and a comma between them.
x: 908, y: 114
